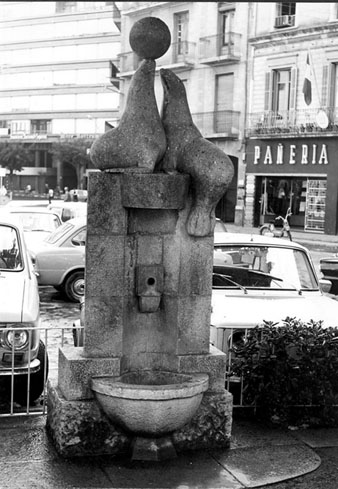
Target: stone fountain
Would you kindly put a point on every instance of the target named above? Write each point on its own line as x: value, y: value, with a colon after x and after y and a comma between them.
x: 147, y: 382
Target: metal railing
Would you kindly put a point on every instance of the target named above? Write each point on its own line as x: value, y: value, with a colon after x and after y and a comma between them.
x: 13, y: 385
x: 222, y: 122
x: 293, y: 122
x: 225, y: 45
x: 285, y: 21
x: 225, y: 122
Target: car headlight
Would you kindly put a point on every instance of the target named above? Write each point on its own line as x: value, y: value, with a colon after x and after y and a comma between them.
x: 15, y: 338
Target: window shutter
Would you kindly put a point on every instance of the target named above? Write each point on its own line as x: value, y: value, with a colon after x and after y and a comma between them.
x: 293, y: 88
x: 324, y: 101
x: 331, y: 85
x: 267, y: 93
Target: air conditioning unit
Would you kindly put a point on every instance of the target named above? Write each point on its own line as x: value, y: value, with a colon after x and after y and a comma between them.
x: 284, y: 21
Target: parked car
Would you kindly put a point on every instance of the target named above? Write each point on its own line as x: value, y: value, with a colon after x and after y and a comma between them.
x: 37, y: 223
x: 68, y: 210
x: 329, y: 268
x: 258, y: 278
x: 60, y: 260
x: 22, y: 353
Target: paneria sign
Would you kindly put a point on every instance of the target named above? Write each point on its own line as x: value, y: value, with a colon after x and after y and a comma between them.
x: 290, y: 154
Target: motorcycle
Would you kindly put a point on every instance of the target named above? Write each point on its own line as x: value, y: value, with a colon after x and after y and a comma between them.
x: 269, y: 229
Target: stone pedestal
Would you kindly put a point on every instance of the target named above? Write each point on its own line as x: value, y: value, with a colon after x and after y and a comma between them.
x: 147, y: 307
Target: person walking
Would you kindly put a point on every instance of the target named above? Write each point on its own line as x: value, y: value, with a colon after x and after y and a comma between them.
x: 50, y: 195
x: 67, y: 197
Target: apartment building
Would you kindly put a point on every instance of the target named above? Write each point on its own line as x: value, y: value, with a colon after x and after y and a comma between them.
x: 208, y: 53
x: 292, y: 125
x: 57, y: 81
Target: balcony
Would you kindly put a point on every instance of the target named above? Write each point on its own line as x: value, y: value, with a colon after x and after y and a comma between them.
x: 219, y: 49
x: 222, y: 123
x: 305, y: 122
x: 180, y: 55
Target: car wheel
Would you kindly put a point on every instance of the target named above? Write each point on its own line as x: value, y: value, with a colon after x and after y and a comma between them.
x: 74, y: 286
x: 37, y: 381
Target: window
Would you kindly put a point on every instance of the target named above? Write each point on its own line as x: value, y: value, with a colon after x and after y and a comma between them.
x: 281, y: 98
x: 113, y: 71
x: 223, y: 102
x: 10, y: 251
x: 285, y: 14
x: 280, y: 90
x: 181, y: 32
x: 226, y: 26
x: 40, y: 126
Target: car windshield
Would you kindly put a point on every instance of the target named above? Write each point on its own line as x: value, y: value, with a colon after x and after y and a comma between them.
x: 60, y: 232
x: 10, y: 249
x: 36, y: 221
x: 261, y: 266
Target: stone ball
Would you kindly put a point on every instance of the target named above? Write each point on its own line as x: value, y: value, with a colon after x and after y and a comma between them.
x: 150, y: 38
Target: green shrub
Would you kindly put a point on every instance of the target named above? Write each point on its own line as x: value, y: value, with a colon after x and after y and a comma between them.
x: 290, y: 372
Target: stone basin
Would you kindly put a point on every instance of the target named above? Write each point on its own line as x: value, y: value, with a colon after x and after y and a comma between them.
x: 150, y: 403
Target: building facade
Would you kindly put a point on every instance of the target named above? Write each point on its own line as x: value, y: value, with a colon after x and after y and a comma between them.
x: 292, y: 125
x: 208, y: 52
x: 57, y: 82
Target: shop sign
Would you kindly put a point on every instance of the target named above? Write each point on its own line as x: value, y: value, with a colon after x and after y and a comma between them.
x: 289, y: 154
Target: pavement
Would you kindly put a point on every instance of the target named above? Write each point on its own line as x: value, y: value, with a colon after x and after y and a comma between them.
x: 258, y: 456
x: 317, y: 241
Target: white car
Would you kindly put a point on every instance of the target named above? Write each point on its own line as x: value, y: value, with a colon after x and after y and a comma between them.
x: 37, y: 222
x: 257, y: 278
x: 22, y: 353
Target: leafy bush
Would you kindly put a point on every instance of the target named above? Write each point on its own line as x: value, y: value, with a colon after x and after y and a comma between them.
x: 290, y: 372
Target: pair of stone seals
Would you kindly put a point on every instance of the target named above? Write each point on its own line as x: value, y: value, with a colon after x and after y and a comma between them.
x: 146, y: 142
x: 211, y: 170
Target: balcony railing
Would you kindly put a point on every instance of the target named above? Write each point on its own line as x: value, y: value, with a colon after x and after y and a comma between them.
x: 284, y: 21
x: 293, y: 122
x: 224, y: 122
x: 179, y: 53
x: 224, y: 46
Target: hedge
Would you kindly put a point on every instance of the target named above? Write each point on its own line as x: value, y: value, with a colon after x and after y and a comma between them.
x: 290, y: 372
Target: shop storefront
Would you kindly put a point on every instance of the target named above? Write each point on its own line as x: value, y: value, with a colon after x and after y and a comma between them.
x: 298, y: 173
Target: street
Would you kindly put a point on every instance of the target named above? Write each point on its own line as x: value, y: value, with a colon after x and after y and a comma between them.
x: 58, y: 313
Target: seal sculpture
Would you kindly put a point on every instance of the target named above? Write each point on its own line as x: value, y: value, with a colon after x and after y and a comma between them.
x: 211, y: 170
x: 139, y: 141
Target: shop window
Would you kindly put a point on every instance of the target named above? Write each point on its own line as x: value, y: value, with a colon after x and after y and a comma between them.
x: 277, y: 194
x: 285, y: 14
x: 315, y: 205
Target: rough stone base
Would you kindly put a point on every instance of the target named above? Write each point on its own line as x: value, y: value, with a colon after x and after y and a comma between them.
x: 80, y: 428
